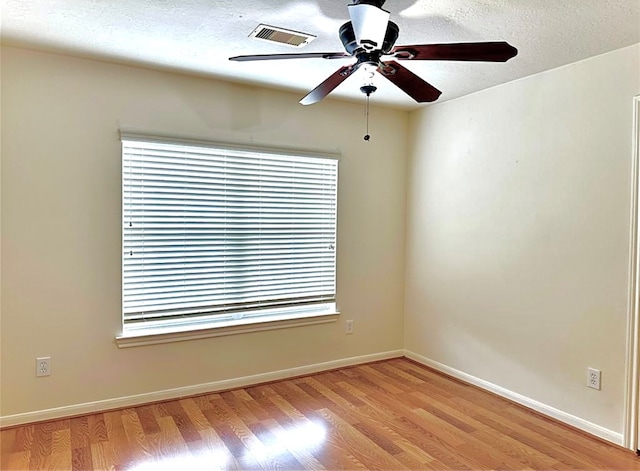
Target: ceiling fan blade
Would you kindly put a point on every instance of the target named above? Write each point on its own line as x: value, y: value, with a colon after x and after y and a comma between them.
x: 326, y: 87
x: 302, y: 55
x: 486, y: 51
x: 409, y: 82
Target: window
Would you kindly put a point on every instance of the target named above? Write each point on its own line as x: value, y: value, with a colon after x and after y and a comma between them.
x: 217, y: 236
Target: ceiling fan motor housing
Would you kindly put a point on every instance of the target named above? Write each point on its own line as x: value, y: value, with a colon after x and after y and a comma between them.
x: 350, y: 43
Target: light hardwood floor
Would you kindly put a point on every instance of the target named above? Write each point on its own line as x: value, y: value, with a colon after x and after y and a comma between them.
x: 388, y: 415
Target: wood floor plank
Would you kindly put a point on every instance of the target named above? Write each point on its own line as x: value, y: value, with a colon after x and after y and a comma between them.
x: 171, y: 439
x: 239, y: 407
x: 303, y: 454
x: 102, y: 456
x: 262, y: 398
x: 97, y: 429
x: 79, y: 432
x: 62, y: 461
x: 417, y: 455
x: 292, y: 412
x: 375, y: 435
x: 330, y: 394
x: 392, y: 415
x: 60, y: 441
x: 296, y: 397
x: 214, y: 447
x: 135, y: 434
x: 123, y: 450
x: 409, y: 462
x: 391, y: 370
x: 18, y: 460
x: 195, y: 414
x: 370, y: 406
x: 203, y: 402
x: 272, y: 452
x: 384, y: 380
x: 62, y: 424
x: 147, y: 419
x: 23, y: 438
x: 7, y: 440
x: 42, y: 443
x: 182, y: 421
x: 234, y: 445
x: 81, y: 458
x: 257, y: 410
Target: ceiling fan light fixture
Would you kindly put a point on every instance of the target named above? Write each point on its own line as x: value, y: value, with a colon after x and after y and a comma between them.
x: 369, y: 24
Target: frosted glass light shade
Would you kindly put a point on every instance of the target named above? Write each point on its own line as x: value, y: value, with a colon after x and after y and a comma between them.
x: 369, y: 25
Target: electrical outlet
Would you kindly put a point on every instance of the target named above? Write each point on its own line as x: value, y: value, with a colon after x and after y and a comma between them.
x: 43, y: 366
x: 593, y: 378
x: 349, y: 328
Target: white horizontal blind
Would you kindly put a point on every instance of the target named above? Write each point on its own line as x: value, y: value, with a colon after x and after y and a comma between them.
x: 211, y: 231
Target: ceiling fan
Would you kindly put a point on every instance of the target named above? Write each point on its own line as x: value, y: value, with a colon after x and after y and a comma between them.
x: 370, y: 36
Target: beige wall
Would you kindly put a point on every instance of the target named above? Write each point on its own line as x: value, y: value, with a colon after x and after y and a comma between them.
x: 518, y: 234
x: 517, y: 203
x: 61, y: 226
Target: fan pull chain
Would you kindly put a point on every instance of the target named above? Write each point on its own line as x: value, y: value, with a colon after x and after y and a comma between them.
x: 366, y: 113
x: 367, y: 90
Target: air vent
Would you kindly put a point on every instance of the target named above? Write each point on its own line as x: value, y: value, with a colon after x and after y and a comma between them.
x: 281, y: 35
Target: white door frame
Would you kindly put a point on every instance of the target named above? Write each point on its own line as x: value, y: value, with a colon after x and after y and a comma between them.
x: 632, y: 393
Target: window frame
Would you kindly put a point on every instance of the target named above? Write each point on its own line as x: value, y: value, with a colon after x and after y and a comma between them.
x: 204, y: 327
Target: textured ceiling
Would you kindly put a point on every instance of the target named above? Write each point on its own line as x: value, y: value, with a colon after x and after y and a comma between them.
x: 198, y: 36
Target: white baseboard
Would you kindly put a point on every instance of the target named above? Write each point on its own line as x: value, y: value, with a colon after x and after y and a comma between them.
x: 589, y: 427
x: 168, y: 394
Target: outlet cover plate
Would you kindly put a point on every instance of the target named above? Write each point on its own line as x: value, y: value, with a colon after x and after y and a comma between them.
x: 43, y: 366
x: 593, y: 378
x: 349, y: 327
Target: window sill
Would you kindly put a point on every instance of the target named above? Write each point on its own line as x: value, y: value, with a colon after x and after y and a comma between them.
x: 154, y: 336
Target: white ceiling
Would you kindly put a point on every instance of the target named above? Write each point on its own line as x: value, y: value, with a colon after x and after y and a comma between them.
x: 198, y: 37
